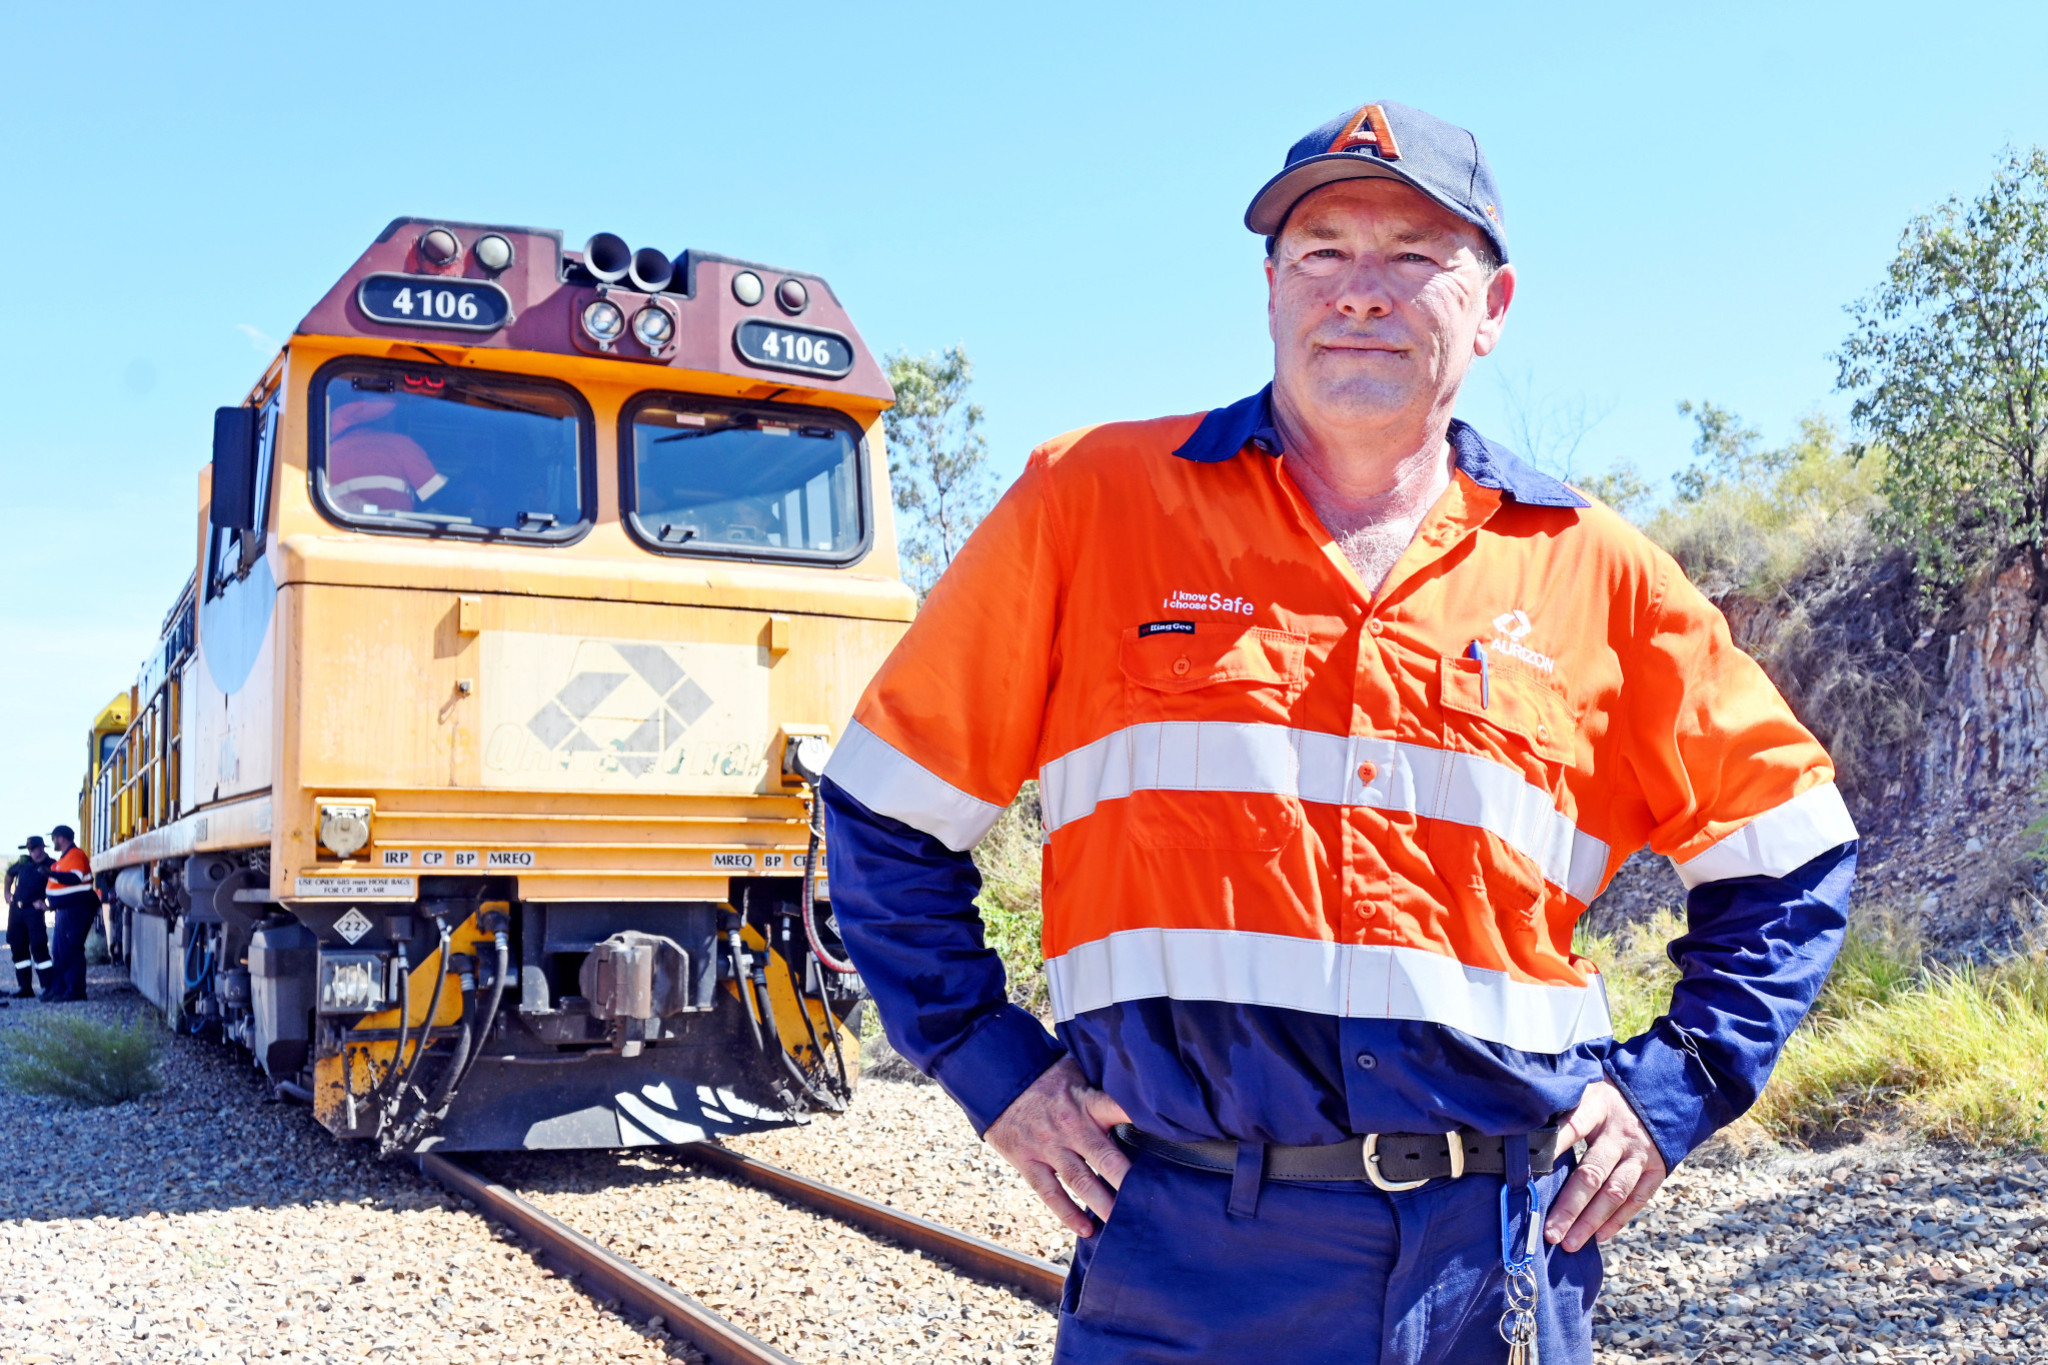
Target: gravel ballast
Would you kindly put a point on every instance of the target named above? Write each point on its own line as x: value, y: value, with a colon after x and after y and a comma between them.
x: 204, y: 1223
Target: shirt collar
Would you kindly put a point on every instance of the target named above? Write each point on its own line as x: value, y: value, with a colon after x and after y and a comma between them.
x: 1223, y: 432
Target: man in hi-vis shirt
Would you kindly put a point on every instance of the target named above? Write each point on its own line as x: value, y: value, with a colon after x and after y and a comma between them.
x: 1342, y: 714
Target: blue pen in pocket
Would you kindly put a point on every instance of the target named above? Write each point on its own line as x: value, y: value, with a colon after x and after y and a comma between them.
x: 1478, y: 651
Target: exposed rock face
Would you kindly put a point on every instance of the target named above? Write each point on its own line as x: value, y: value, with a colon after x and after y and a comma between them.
x: 1941, y: 732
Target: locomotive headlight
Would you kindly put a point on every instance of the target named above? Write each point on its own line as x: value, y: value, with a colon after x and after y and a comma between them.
x: 603, y: 322
x: 653, y: 327
x: 493, y: 252
x: 352, y: 983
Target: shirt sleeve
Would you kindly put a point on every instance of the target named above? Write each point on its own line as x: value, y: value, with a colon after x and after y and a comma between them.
x: 1746, y: 806
x: 941, y: 742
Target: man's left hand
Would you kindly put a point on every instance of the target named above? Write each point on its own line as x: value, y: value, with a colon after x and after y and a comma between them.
x: 1622, y: 1168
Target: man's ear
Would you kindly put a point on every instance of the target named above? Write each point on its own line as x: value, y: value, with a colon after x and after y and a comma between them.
x: 1500, y: 292
x: 1271, y: 306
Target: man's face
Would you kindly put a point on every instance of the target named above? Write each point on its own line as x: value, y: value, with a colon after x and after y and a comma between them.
x: 39, y: 853
x: 63, y: 844
x: 1377, y: 302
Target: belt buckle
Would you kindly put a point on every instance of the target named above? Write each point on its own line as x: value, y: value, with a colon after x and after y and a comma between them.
x: 1452, y: 1144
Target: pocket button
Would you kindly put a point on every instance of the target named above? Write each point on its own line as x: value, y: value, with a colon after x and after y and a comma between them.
x: 1376, y: 626
x: 1180, y: 666
x: 1543, y: 732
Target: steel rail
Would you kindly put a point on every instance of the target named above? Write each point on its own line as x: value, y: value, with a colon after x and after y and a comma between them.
x: 982, y: 1259
x: 724, y: 1342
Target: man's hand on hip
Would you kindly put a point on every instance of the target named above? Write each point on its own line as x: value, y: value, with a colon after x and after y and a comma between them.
x: 1057, y: 1136
x: 1622, y: 1168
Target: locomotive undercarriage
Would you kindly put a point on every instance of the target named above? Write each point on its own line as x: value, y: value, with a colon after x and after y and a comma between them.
x: 472, y: 1020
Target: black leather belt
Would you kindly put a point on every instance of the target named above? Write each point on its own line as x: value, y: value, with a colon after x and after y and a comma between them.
x: 1392, y: 1161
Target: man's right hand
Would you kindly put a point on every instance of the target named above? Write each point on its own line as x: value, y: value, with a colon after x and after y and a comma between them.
x: 1057, y: 1136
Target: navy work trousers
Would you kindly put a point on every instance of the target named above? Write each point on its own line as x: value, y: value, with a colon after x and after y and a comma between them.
x: 67, y: 949
x: 29, y: 941
x: 1316, y: 1275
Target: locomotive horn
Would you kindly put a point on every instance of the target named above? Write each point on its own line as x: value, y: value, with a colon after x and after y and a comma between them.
x: 607, y: 257
x: 650, y: 271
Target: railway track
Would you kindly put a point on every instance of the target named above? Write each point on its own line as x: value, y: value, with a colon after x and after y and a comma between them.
x: 606, y: 1275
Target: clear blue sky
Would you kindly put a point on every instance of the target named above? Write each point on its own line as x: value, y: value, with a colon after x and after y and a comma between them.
x: 1692, y: 194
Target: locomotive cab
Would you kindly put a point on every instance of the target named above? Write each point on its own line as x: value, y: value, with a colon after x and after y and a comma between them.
x: 531, y: 586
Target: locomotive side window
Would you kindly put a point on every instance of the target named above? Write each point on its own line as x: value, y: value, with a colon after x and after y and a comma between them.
x: 435, y: 451
x: 744, y: 482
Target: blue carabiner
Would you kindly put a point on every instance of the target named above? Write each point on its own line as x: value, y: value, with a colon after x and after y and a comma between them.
x: 1508, y: 1258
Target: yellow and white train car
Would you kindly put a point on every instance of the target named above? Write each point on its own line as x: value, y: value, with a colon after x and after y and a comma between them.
x: 471, y: 785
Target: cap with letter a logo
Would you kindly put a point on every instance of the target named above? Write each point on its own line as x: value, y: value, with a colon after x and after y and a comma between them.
x: 1386, y: 141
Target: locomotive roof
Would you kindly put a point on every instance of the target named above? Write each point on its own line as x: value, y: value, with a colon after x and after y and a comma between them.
x: 546, y: 289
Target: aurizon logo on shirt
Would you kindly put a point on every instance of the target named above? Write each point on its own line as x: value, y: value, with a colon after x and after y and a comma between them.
x: 1510, y: 627
x: 1177, y: 600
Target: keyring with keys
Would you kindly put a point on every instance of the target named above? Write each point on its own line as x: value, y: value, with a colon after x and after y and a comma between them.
x: 1518, y: 1323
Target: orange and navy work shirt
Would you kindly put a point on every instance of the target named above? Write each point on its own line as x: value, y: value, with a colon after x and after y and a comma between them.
x: 70, y: 879
x: 1315, y: 855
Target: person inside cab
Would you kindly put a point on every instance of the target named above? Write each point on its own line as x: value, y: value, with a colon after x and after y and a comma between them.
x: 371, y: 469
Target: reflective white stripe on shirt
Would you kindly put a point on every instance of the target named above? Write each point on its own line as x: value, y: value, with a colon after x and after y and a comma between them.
x: 381, y: 483
x: 1344, y: 980
x: 54, y: 890
x: 1229, y: 756
x: 1777, y: 842
x: 886, y: 781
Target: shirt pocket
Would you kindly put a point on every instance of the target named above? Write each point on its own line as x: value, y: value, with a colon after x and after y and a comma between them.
x: 1213, y: 761
x: 1499, y: 823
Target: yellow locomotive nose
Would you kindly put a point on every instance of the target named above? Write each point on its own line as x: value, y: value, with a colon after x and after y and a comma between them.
x: 534, y: 587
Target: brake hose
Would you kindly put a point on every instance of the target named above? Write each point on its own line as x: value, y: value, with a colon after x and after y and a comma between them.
x: 841, y: 965
x: 419, y: 1050
x: 834, y: 1083
x: 490, y: 1015
x: 390, y: 1077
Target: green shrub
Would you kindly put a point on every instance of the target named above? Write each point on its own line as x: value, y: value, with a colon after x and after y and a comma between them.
x: 83, y: 1060
x: 1011, y: 857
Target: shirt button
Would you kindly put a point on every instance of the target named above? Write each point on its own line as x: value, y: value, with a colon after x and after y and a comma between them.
x: 1376, y: 626
x: 1180, y: 665
x: 1365, y: 910
x: 1543, y: 732
x: 1367, y: 772
x: 1366, y: 1061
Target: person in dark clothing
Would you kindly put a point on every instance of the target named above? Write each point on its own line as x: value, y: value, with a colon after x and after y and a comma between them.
x: 71, y: 895
x: 27, y: 939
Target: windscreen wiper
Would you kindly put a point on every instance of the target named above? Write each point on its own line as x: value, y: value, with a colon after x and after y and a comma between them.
x: 665, y: 536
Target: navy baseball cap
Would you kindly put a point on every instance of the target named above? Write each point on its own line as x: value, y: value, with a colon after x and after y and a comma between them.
x: 1386, y: 141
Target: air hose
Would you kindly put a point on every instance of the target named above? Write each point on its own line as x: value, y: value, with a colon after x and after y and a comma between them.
x: 419, y: 1051
x: 809, y: 907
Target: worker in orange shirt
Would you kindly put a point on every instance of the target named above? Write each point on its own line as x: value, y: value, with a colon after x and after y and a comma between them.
x: 1341, y: 715
x: 70, y: 893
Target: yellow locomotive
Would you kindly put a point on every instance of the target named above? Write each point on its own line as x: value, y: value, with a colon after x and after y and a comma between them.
x: 470, y: 786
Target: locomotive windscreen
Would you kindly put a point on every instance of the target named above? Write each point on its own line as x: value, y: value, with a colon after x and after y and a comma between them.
x: 754, y: 482
x: 436, y: 451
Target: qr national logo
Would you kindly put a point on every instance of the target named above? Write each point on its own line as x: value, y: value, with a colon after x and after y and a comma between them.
x: 633, y: 701
x: 626, y: 712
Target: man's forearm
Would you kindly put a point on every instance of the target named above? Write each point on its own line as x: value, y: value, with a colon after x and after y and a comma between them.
x: 1753, y: 958
x: 904, y: 904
